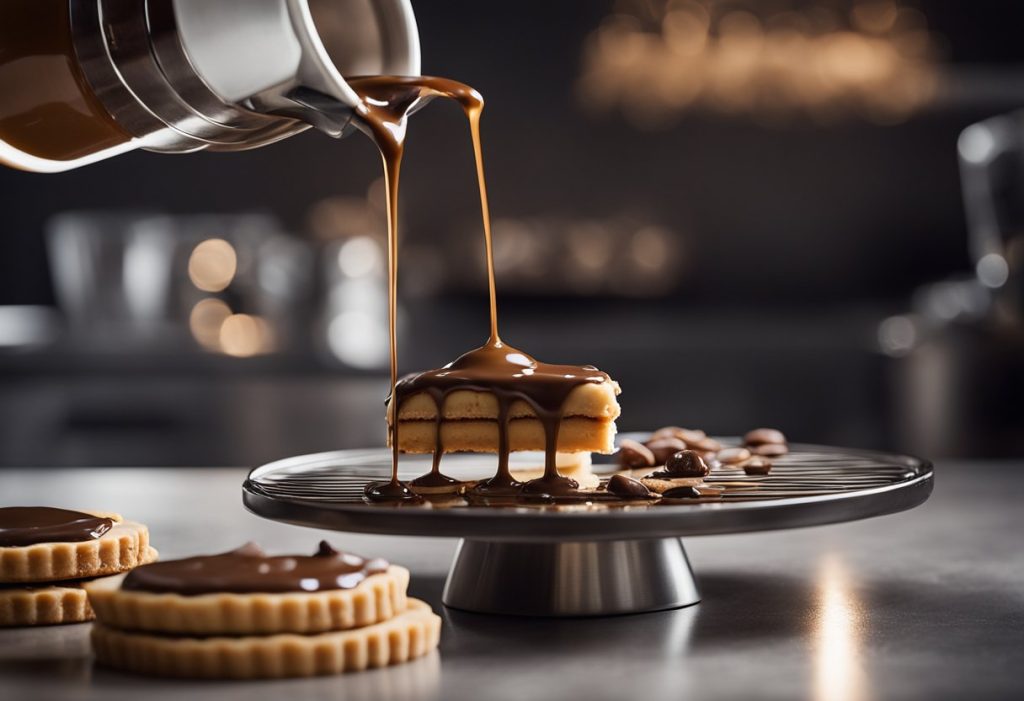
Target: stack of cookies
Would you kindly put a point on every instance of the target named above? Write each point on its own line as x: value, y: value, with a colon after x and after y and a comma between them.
x: 244, y: 614
x: 47, y: 554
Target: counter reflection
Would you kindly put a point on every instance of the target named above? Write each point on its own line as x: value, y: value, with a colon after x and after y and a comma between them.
x: 838, y: 626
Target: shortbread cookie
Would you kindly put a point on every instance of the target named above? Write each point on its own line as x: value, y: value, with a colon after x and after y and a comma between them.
x: 377, y: 598
x: 124, y: 546
x: 40, y: 606
x: 410, y: 634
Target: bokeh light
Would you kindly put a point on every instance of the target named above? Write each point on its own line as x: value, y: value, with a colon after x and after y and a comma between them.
x: 212, y: 265
x: 205, y: 321
x: 656, y: 59
x: 243, y: 335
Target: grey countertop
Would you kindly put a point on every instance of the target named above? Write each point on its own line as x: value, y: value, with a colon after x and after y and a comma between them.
x: 924, y: 604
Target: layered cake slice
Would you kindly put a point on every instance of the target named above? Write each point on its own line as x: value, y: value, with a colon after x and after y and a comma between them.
x: 573, y: 407
x: 470, y: 422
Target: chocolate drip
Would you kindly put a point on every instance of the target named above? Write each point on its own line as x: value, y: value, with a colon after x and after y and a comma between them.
x: 502, y: 484
x: 434, y: 479
x: 502, y: 370
x: 510, y: 375
x: 28, y: 525
x: 387, y: 103
x: 249, y: 570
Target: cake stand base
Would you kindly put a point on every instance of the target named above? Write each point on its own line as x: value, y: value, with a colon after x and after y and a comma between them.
x: 595, y: 578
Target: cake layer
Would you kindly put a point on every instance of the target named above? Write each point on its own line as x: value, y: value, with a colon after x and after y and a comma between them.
x: 481, y: 436
x: 592, y: 400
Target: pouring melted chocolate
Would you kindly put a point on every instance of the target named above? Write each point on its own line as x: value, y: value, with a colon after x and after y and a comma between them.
x: 495, y: 367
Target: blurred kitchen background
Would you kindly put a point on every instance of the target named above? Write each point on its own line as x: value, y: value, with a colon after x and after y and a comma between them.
x: 802, y: 214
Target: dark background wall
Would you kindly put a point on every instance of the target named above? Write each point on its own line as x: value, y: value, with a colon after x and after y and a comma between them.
x: 799, y: 239
x: 850, y: 210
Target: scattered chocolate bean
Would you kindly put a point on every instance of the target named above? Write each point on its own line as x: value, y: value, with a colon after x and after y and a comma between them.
x: 770, y: 450
x: 691, y: 435
x: 733, y: 456
x: 634, y: 455
x: 682, y: 493
x: 664, y: 448
x: 760, y: 436
x: 687, y: 435
x: 623, y: 486
x: 686, y: 463
x: 757, y: 465
x: 705, y: 444
x: 665, y: 432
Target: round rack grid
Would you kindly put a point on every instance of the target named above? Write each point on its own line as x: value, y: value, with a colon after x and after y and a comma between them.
x: 809, y: 486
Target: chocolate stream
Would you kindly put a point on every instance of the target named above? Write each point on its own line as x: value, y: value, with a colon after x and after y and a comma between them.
x: 502, y: 370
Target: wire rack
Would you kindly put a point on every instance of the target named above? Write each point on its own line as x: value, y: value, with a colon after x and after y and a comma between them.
x: 798, y: 474
x: 808, y: 486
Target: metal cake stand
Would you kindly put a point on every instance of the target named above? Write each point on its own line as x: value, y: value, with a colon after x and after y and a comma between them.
x: 583, y: 560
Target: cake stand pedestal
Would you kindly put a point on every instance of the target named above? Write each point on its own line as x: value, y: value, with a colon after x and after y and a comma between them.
x: 595, y: 578
x: 584, y: 560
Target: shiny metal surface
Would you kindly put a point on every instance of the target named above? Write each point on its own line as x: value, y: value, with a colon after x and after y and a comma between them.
x: 812, y: 485
x: 594, y: 578
x: 186, y: 75
x: 925, y: 604
x: 551, y: 561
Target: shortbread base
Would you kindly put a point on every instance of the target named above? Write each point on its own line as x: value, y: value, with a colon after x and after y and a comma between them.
x: 411, y: 634
x: 120, y: 549
x: 377, y: 598
x: 44, y: 606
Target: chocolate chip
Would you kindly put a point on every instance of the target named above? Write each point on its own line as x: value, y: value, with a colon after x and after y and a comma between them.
x: 686, y: 463
x: 664, y: 448
x: 623, y: 486
x: 682, y: 493
x: 325, y: 550
x: 757, y: 466
x: 733, y: 456
x: 760, y: 436
x: 770, y: 450
x: 634, y: 455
